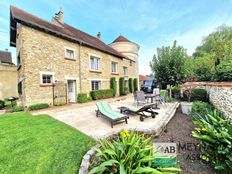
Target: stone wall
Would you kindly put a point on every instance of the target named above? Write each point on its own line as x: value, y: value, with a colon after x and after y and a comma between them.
x: 8, y: 81
x: 43, y: 52
x: 220, y: 94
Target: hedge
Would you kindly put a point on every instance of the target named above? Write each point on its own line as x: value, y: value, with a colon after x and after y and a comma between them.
x: 113, y: 85
x: 2, y: 104
x: 83, y: 98
x: 17, y: 108
x: 135, y: 84
x: 198, y: 94
x: 101, y: 94
x: 121, y: 86
x: 38, y: 106
x: 131, y: 85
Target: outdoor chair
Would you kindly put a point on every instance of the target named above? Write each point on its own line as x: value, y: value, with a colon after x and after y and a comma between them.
x: 140, y: 98
x: 148, y: 108
x: 163, y: 96
x: 114, y: 117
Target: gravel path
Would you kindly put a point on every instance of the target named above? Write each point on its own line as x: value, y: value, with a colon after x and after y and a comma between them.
x: 179, y: 131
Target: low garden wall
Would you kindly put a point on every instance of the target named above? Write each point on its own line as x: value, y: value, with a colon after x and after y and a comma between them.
x: 220, y: 94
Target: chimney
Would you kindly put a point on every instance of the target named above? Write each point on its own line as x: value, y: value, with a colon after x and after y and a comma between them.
x: 99, y: 35
x: 58, y: 17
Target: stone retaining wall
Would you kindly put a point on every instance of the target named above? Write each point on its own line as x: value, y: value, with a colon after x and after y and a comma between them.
x: 220, y: 94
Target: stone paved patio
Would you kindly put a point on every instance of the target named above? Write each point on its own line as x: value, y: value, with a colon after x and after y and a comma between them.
x: 85, y: 120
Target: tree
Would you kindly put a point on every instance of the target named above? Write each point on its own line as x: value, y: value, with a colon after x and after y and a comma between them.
x: 121, y: 86
x: 131, y: 85
x: 214, y: 55
x: 135, y: 84
x: 113, y: 85
x: 169, y: 65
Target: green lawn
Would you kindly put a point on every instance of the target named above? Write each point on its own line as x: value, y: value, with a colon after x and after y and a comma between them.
x: 40, y: 144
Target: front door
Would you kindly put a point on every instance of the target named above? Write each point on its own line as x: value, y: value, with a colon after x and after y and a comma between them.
x: 71, y: 91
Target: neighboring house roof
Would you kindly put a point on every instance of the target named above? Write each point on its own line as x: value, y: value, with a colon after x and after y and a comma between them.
x: 5, y: 57
x: 62, y: 30
x: 121, y: 39
x: 143, y: 78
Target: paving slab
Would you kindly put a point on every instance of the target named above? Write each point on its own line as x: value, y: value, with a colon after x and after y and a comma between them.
x: 84, y: 118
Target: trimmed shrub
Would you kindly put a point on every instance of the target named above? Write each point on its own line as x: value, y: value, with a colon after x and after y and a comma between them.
x: 131, y: 85
x: 83, y: 98
x: 126, y: 90
x: 2, y: 104
x: 135, y: 84
x: 113, y: 86
x: 197, y: 94
x: 59, y: 104
x: 16, y: 108
x: 101, y: 94
x: 38, y: 106
x: 121, y: 86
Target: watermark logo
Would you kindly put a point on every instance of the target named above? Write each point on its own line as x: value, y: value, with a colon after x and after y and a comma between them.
x: 161, y: 149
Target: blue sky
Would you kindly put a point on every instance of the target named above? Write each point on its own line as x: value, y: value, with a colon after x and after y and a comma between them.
x: 150, y: 23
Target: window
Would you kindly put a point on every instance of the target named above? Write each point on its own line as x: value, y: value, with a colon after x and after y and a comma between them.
x: 47, y: 79
x: 20, y: 88
x: 114, y: 67
x: 130, y: 62
x: 94, y: 63
x: 125, y: 70
x: 69, y: 53
x: 95, y: 85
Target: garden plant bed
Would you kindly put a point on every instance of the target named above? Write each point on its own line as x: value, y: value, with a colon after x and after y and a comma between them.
x: 179, y: 131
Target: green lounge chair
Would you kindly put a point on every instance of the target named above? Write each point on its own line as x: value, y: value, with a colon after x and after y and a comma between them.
x: 114, y: 117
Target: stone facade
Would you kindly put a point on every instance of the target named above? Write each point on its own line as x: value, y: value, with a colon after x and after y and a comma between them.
x: 42, y: 52
x: 8, y: 81
x: 220, y: 94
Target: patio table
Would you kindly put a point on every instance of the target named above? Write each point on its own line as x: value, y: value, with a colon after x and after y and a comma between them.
x: 151, y: 96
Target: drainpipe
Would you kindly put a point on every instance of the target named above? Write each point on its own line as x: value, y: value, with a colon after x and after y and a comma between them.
x: 80, y: 75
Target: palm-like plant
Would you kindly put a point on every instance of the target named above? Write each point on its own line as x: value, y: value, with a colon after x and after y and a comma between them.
x: 130, y: 153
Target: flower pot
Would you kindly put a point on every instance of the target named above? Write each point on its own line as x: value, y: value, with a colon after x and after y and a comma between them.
x: 176, y: 95
x: 186, y: 107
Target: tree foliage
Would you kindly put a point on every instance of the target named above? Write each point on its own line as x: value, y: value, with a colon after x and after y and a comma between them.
x: 213, y: 58
x: 121, y: 86
x: 169, y: 65
x: 131, y: 85
x: 113, y: 85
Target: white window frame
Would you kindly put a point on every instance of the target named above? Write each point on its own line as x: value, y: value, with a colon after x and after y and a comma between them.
x: 116, y: 67
x: 100, y: 60
x: 99, y: 81
x: 127, y: 72
x: 47, y: 73
x: 65, y: 53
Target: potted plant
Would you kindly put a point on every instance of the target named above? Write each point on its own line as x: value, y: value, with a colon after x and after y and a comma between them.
x: 176, y: 92
x: 186, y: 107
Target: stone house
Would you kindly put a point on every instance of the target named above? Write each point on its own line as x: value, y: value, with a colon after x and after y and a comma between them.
x: 8, y: 76
x: 57, y: 61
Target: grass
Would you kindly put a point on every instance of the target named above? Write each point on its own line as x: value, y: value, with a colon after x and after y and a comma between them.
x: 40, y: 144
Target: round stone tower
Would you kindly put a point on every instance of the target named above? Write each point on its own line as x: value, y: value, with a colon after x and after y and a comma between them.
x: 128, y: 48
